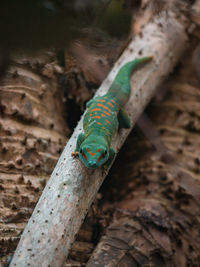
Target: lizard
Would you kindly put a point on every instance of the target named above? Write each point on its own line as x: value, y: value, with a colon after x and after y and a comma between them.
x: 104, y: 116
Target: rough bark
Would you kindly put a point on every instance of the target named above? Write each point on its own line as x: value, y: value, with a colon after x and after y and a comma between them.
x: 157, y: 221
x: 61, y: 209
x: 32, y: 136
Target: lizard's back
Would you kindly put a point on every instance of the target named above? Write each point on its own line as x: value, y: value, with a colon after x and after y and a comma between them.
x: 101, y: 117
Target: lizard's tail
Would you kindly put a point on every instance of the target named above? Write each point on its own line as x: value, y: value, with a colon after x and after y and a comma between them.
x: 121, y: 88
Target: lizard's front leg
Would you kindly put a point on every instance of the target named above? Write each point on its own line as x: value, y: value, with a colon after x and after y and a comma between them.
x: 80, y: 140
x: 109, y: 161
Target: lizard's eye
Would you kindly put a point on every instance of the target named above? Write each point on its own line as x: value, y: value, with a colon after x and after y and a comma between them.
x: 105, y: 152
x: 81, y: 150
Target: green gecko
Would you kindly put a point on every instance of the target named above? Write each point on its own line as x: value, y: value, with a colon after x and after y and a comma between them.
x: 104, y: 116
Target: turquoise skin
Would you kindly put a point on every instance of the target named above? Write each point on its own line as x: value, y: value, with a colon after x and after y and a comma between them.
x: 105, y: 115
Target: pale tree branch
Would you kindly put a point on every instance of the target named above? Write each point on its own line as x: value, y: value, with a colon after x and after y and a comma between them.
x: 72, y: 187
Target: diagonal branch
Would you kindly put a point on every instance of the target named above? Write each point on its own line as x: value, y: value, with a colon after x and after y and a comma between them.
x: 72, y: 187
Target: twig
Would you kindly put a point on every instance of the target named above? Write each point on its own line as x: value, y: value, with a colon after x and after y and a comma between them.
x: 72, y: 187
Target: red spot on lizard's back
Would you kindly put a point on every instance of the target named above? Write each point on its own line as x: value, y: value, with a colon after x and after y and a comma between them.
x: 110, y: 104
x: 107, y: 113
x: 96, y: 109
x: 97, y: 117
x: 103, y: 106
x: 113, y: 101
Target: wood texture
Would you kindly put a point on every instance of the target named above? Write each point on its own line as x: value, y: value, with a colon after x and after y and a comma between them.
x: 32, y: 137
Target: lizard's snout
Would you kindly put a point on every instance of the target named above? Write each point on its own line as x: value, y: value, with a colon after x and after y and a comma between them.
x: 92, y: 164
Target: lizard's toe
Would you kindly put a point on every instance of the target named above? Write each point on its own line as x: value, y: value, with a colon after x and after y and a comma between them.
x: 75, y: 154
x: 104, y: 170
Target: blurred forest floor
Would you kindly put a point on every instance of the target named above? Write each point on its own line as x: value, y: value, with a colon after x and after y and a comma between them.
x: 41, y: 100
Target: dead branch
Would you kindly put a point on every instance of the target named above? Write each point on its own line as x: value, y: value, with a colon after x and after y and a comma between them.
x: 72, y: 187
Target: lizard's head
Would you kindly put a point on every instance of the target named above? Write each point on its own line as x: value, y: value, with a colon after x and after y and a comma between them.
x: 94, y: 154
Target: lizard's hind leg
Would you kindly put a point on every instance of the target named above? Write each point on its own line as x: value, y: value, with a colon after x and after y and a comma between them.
x: 124, y: 119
